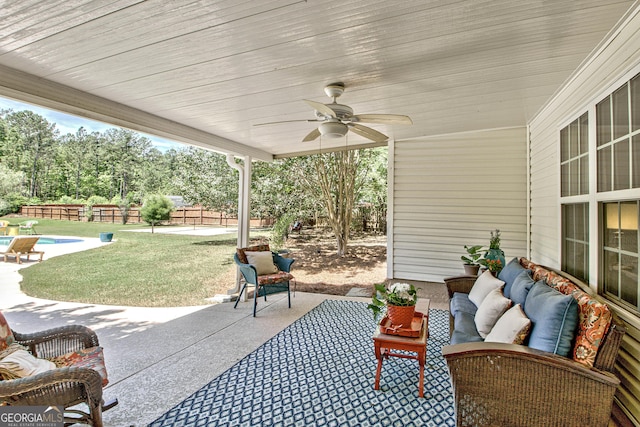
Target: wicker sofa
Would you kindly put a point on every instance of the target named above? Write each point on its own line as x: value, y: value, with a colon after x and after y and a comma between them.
x: 509, y: 384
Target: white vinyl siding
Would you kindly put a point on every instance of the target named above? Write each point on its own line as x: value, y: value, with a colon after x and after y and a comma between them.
x: 452, y: 190
x: 612, y: 63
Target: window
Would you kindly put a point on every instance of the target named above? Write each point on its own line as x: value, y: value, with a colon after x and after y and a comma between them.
x: 575, y: 240
x: 574, y: 157
x: 574, y: 173
x: 618, y: 138
x: 619, y: 272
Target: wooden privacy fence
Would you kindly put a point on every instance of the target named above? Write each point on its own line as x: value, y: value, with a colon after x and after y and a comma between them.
x: 111, y: 213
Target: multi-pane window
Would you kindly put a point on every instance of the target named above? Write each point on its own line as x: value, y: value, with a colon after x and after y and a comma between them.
x: 574, y: 173
x: 574, y: 157
x: 575, y: 240
x: 619, y: 255
x: 618, y: 138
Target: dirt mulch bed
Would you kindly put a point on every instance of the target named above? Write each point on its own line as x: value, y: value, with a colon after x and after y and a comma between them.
x: 318, y: 269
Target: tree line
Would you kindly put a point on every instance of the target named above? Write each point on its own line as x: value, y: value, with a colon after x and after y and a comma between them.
x: 39, y: 165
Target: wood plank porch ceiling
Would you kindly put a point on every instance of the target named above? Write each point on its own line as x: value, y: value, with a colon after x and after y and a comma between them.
x: 205, y: 72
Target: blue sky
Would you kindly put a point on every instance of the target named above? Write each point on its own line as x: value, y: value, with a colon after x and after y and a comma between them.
x: 66, y: 123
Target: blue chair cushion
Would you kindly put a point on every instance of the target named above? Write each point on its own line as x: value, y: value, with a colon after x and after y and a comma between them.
x: 460, y: 302
x: 520, y: 287
x: 554, y: 318
x: 508, y: 274
x: 465, y: 329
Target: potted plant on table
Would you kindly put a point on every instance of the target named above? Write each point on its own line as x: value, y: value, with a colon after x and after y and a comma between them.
x: 400, y: 300
x: 473, y: 260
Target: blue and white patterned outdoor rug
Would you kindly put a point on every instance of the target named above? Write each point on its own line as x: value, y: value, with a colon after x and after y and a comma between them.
x: 320, y: 371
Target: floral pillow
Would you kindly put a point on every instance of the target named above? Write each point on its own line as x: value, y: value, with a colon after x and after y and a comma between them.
x: 91, y: 358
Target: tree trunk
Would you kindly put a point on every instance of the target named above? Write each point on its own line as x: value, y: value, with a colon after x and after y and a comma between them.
x: 337, y: 183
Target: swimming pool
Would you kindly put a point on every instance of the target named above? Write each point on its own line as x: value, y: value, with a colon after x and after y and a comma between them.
x: 5, y: 240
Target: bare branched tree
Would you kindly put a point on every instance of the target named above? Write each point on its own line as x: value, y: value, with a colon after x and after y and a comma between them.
x: 334, y: 179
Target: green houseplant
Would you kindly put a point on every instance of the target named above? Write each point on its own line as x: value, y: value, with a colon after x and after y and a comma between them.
x: 400, y: 300
x: 473, y: 260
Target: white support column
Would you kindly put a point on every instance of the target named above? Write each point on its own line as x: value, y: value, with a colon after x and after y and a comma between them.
x: 244, y: 207
x: 245, y: 195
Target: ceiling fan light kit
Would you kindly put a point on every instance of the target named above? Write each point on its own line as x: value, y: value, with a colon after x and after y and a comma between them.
x: 333, y: 129
x: 338, y: 119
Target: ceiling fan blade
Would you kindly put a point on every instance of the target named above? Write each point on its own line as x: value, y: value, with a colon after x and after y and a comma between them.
x: 314, y: 134
x: 287, y: 121
x: 368, y: 133
x: 386, y: 119
x: 320, y: 107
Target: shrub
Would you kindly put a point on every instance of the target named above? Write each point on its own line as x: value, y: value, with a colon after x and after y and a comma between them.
x: 156, y: 208
x: 124, y: 205
x: 5, y: 207
x: 93, y: 200
x: 15, y: 202
x: 280, y: 231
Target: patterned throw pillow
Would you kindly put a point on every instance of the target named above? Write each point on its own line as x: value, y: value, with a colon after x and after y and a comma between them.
x: 6, y: 335
x: 91, y: 358
x: 594, y: 320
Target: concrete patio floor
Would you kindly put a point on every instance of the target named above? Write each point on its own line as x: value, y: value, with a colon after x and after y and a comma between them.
x: 157, y: 357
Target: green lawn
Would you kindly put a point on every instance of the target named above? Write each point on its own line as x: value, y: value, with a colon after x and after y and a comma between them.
x: 138, y: 269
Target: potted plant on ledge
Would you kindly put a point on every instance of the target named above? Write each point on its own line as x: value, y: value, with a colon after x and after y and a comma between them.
x: 473, y: 260
x: 400, y: 300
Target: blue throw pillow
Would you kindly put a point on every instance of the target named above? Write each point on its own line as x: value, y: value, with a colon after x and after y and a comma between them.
x: 508, y: 275
x: 520, y: 287
x: 554, y: 318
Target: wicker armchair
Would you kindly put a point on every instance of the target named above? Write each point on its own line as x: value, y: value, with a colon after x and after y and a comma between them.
x: 514, y: 385
x: 264, y: 284
x: 66, y: 386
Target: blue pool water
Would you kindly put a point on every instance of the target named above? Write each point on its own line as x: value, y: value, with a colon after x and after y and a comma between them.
x: 5, y: 240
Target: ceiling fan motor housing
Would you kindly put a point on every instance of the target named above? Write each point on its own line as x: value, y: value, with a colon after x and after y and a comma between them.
x: 343, y: 112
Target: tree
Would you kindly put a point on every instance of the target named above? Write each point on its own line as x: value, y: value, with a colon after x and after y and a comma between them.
x: 10, y: 188
x: 337, y: 179
x: 204, y: 177
x: 156, y: 208
x: 372, y: 198
x: 276, y: 192
x: 29, y: 143
x: 331, y: 177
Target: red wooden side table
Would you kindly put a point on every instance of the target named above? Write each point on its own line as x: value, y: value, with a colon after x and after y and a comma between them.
x: 385, y: 343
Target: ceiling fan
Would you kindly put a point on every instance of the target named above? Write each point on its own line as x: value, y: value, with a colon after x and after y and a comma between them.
x: 337, y: 119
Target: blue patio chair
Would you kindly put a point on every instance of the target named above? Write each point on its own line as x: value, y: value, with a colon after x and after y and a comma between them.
x: 276, y: 280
